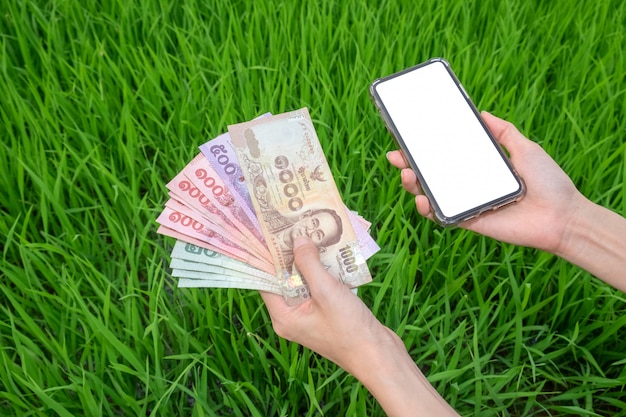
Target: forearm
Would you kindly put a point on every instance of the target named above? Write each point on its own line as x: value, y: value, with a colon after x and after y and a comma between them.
x: 596, y: 241
x: 389, y: 373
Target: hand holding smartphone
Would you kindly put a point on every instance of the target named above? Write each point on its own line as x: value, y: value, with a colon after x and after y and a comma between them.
x: 460, y: 167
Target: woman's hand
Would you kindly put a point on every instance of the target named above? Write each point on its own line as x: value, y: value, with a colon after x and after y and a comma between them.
x: 553, y: 215
x: 336, y: 324
x: 540, y: 219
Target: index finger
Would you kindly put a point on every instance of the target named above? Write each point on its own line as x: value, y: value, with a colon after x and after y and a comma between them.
x: 275, y: 303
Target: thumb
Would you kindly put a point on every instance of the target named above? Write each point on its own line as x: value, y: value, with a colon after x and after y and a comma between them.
x: 307, y: 260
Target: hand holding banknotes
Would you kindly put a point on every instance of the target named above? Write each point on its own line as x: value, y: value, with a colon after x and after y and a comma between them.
x: 335, y: 323
x: 237, y: 207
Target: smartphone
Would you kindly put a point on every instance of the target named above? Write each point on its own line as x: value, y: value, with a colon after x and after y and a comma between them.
x: 459, y: 165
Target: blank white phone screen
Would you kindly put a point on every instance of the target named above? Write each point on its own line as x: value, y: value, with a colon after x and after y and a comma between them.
x: 457, y: 160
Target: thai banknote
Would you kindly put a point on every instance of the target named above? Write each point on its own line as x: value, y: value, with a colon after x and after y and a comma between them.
x: 185, y: 226
x: 221, y: 155
x: 213, y: 281
x: 293, y: 193
x: 191, y: 257
x: 200, y: 267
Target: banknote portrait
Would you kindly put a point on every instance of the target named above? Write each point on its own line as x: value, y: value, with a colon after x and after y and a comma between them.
x: 323, y: 226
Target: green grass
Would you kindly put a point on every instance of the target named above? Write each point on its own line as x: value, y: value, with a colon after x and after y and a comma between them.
x: 101, y: 103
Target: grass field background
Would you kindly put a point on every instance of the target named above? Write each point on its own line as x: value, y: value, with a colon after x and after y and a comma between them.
x: 103, y: 102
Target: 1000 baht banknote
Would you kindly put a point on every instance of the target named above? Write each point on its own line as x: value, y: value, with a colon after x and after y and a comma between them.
x: 294, y: 194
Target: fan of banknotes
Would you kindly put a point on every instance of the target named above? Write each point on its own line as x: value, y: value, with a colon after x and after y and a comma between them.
x: 237, y: 207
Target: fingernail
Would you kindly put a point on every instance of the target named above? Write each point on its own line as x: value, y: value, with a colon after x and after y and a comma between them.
x: 300, y: 241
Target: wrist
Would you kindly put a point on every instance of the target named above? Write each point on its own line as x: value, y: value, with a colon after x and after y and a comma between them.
x: 575, y: 222
x: 380, y: 344
x: 385, y: 368
x: 595, y: 240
